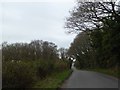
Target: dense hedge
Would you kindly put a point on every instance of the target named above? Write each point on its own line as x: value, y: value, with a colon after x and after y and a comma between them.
x: 18, y: 74
x: 25, y: 63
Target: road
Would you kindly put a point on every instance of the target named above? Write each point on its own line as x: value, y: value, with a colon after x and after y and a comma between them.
x: 89, y: 79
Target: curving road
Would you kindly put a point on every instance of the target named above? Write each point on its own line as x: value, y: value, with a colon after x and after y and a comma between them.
x: 89, y: 79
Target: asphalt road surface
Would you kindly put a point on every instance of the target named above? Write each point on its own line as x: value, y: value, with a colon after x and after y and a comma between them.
x: 89, y: 79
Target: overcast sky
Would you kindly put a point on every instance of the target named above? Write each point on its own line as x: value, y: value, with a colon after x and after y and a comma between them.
x: 26, y: 21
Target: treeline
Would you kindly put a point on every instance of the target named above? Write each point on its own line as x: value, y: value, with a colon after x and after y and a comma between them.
x: 25, y: 63
x: 98, y: 43
x: 34, y: 50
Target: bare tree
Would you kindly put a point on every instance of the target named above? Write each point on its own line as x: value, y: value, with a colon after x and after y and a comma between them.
x: 89, y: 15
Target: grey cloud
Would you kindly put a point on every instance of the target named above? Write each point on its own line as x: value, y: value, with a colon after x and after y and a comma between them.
x: 29, y: 21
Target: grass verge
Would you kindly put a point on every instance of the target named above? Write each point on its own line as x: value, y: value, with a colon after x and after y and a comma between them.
x: 111, y: 72
x: 53, y: 81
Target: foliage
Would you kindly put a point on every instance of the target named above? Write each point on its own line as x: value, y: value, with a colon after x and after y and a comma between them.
x: 100, y: 22
x: 82, y: 51
x: 34, y: 50
x: 111, y: 71
x: 54, y: 80
x: 87, y: 16
x: 61, y: 65
x: 63, y: 53
x: 25, y: 63
x: 17, y: 75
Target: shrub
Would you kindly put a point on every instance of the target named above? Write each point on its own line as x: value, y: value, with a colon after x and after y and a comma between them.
x: 60, y: 65
x: 22, y: 74
x: 44, y: 68
x: 17, y: 75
